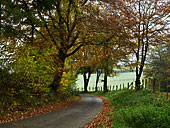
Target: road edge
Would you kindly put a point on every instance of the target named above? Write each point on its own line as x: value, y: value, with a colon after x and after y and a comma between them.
x: 37, y: 111
x: 103, y: 118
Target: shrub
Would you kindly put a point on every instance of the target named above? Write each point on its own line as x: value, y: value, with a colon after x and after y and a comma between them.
x: 141, y: 109
x: 147, y: 116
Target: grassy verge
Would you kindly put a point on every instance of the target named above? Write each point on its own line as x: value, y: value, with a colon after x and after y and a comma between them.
x: 141, y: 109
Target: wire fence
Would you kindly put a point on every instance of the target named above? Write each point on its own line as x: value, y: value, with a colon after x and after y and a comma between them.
x: 157, y: 86
x: 128, y: 85
x: 160, y: 86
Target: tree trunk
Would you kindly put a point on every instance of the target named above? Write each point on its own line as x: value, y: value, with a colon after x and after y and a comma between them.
x: 85, y: 82
x: 86, y: 79
x: 59, y: 72
x: 105, y: 80
x: 97, y: 78
x: 137, y: 83
x: 138, y: 76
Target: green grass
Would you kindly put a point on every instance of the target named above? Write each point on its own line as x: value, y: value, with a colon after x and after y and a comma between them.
x: 138, y: 109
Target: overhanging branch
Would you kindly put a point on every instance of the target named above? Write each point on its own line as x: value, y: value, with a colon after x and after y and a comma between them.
x: 75, y: 50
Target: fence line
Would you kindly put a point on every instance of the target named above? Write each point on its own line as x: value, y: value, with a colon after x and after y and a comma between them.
x: 154, y: 84
x: 113, y: 87
x: 157, y: 86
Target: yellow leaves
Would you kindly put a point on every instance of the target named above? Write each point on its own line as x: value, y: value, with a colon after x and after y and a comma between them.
x: 168, y: 42
x: 155, y: 26
x: 64, y: 84
x: 21, y: 91
x: 131, y: 19
x: 64, y: 81
x: 15, y: 103
x: 11, y: 92
x: 67, y: 81
x: 135, y: 64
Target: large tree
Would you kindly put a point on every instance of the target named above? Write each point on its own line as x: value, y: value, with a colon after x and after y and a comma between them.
x: 147, y: 23
x: 112, y: 39
x: 58, y: 23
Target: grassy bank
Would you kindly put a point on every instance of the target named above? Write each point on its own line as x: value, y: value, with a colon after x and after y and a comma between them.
x: 141, y: 109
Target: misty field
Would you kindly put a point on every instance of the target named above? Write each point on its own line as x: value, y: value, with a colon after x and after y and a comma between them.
x: 121, y: 78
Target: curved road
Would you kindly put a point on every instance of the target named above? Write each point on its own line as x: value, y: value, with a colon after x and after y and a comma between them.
x: 74, y: 116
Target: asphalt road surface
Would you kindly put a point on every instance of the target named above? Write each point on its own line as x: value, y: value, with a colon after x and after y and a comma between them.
x: 74, y: 116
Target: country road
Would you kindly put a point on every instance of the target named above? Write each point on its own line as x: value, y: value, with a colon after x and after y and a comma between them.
x: 74, y: 116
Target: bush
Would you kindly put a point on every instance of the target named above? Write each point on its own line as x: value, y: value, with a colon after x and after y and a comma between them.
x: 17, y: 91
x: 25, y: 81
x: 147, y: 116
x: 141, y: 109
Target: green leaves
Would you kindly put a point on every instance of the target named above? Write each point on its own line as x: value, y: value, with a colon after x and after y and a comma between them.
x: 158, y: 63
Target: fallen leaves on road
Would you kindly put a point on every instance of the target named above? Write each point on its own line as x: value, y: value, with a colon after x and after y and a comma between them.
x: 103, y: 118
x: 37, y: 110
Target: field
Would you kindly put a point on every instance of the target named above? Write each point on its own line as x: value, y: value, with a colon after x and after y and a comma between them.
x: 121, y: 78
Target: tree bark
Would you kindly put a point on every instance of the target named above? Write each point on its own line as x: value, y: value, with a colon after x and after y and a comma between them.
x: 85, y: 82
x: 137, y: 83
x: 86, y: 79
x: 97, y: 79
x: 59, y: 72
x: 105, y: 80
x: 138, y: 76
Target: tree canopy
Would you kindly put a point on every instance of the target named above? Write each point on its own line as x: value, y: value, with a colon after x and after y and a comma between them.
x: 43, y: 43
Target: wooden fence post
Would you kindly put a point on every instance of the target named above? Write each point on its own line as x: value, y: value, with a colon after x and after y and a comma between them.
x: 154, y: 85
x: 116, y: 87
x: 113, y: 87
x: 168, y: 85
x: 167, y: 89
x: 120, y: 86
x: 149, y: 83
x: 142, y: 83
x: 145, y: 83
x: 159, y: 82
